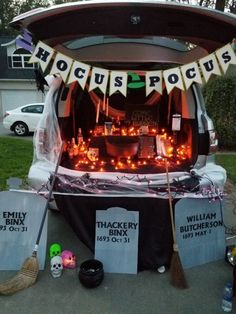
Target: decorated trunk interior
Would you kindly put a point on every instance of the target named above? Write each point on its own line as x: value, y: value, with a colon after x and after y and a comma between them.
x: 131, y: 134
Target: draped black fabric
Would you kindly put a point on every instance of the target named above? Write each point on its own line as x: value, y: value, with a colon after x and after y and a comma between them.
x: 155, y: 235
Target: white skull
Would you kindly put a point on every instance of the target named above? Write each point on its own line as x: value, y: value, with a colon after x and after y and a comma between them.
x: 56, y: 266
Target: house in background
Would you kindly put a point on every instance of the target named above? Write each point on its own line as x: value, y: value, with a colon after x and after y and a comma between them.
x: 17, y: 77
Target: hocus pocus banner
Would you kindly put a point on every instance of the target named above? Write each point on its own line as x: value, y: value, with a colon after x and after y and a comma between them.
x: 181, y: 77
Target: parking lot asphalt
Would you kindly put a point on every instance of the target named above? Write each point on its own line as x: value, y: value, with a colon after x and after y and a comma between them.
x: 147, y: 292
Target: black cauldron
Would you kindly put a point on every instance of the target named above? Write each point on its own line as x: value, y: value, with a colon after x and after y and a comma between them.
x: 122, y: 146
x: 91, y: 273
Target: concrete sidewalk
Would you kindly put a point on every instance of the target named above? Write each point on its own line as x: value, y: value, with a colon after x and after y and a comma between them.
x: 147, y: 292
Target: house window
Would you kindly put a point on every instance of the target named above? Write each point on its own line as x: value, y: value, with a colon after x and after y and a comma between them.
x: 20, y: 60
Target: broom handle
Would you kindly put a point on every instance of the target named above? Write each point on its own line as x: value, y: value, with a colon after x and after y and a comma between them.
x: 170, y: 206
x: 48, y: 198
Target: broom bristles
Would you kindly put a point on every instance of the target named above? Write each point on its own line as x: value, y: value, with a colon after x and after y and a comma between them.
x: 25, y: 278
x: 178, y: 279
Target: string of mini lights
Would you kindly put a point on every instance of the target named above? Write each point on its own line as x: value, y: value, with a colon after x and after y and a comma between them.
x: 135, y: 184
x: 84, y: 159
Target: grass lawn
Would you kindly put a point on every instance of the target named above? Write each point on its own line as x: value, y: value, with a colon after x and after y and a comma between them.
x: 16, y: 157
x: 228, y: 161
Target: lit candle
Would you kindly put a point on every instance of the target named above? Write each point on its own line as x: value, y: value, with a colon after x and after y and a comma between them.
x: 98, y: 110
x: 107, y: 104
x: 104, y: 103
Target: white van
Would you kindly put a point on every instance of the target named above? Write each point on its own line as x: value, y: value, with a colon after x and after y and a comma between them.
x: 116, y: 143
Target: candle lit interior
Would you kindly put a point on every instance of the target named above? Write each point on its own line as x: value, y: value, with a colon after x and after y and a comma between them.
x: 126, y: 134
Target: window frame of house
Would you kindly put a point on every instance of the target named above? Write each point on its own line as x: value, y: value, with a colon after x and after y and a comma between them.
x: 21, y: 57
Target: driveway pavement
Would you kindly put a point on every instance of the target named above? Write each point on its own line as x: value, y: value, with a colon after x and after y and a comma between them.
x: 5, y: 132
x: 148, y: 292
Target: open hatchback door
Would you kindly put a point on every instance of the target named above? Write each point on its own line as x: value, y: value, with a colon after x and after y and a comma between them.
x: 57, y: 25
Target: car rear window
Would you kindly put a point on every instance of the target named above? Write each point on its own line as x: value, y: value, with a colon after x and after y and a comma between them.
x: 33, y: 109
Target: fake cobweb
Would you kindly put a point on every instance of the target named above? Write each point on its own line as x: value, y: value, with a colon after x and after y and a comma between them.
x: 47, y: 139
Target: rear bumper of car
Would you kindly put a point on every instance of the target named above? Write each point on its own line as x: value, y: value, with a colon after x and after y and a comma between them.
x: 7, y: 125
x: 207, y: 181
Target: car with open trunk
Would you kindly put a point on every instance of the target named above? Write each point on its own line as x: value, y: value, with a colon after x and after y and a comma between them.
x: 125, y: 99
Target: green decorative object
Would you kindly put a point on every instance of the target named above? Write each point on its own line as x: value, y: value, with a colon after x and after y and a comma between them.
x: 55, y: 250
x: 136, y: 81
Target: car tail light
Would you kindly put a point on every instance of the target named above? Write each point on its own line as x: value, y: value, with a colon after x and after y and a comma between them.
x: 5, y: 115
x: 213, y: 141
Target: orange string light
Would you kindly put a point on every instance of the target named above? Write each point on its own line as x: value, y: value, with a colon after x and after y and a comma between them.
x: 177, y: 154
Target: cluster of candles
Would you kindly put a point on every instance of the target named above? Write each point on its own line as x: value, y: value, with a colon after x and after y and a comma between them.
x: 88, y: 157
x: 116, y: 129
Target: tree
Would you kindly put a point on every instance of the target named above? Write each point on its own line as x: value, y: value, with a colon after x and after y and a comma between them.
x: 220, y: 98
x: 58, y: 1
x: 64, y: 1
x: 28, y: 5
x: 11, y: 8
x: 8, y: 9
x: 221, y: 5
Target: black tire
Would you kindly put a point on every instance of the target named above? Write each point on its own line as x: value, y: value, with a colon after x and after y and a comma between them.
x: 20, y: 129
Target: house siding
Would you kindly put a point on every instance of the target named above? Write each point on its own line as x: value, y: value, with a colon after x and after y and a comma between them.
x: 17, y: 86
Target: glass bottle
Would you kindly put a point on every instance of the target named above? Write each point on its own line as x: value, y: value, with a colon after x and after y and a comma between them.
x: 75, y: 147
x: 79, y: 137
x: 227, y: 298
x: 70, y: 150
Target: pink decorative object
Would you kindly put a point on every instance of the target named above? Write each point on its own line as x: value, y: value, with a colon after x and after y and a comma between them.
x: 69, y: 259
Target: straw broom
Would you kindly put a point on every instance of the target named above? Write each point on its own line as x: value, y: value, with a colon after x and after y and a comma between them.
x: 176, y: 270
x: 28, y: 273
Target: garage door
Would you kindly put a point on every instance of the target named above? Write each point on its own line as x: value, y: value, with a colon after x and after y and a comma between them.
x: 10, y: 99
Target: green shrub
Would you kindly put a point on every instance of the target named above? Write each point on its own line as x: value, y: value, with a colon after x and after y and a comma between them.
x: 220, y: 98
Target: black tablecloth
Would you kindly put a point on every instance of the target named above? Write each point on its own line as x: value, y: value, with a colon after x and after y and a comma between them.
x: 155, y: 234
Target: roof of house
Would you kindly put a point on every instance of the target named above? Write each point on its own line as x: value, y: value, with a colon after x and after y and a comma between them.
x: 6, y: 72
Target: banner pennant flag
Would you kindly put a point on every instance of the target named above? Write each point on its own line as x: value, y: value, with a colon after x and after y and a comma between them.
x: 209, y: 66
x: 79, y: 72
x: 118, y: 82
x: 42, y: 55
x: 181, y: 77
x: 153, y: 81
x: 226, y: 56
x: 173, y: 78
x: 191, y: 74
x: 99, y: 78
x: 61, y: 65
